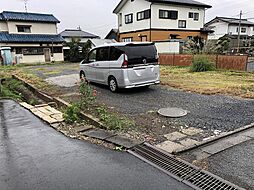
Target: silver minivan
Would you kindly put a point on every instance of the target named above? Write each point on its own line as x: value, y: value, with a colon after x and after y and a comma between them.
x: 122, y: 65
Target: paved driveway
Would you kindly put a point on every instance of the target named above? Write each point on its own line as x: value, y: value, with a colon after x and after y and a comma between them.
x: 35, y: 156
x: 213, y: 112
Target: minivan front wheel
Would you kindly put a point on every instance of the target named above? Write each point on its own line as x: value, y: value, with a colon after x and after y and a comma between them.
x: 112, y: 84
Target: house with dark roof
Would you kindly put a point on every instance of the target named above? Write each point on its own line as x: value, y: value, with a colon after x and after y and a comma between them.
x: 77, y: 35
x: 32, y: 37
x: 113, y: 34
x: 159, y: 20
x: 230, y: 26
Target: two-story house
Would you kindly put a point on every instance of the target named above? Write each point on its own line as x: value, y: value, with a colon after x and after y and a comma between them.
x: 229, y: 26
x: 77, y: 35
x: 159, y: 20
x: 32, y: 37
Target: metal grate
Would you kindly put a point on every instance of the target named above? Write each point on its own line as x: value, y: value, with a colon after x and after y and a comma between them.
x: 181, y: 170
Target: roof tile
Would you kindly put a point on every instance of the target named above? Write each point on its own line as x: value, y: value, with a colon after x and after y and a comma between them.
x: 33, y: 17
x: 29, y: 38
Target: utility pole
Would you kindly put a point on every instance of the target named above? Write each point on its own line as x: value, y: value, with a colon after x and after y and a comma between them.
x: 239, y: 32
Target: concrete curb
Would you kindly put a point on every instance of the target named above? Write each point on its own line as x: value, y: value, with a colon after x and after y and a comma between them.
x: 36, y: 91
x: 60, y: 102
x: 179, y: 151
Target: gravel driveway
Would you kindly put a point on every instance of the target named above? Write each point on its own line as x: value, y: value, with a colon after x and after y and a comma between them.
x: 215, y: 112
x: 209, y: 112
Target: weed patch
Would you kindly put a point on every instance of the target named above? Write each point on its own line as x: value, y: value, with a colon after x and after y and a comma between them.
x: 113, y: 121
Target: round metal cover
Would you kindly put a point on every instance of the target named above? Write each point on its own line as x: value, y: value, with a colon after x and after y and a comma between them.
x: 173, y: 112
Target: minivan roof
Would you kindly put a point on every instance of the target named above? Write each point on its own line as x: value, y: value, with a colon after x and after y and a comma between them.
x: 124, y: 44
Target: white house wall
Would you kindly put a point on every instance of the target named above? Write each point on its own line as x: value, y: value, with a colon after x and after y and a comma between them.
x: 183, y: 14
x: 3, y: 26
x: 233, y: 30
x: 141, y: 5
x: 134, y: 7
x: 36, y: 28
x: 220, y: 29
x: 82, y: 40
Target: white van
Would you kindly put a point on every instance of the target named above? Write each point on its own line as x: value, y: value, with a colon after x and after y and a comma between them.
x: 122, y: 65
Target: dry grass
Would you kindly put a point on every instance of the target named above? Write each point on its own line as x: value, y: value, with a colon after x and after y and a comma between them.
x: 27, y: 75
x: 212, y: 82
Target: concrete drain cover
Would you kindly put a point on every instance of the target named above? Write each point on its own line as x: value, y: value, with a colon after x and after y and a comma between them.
x: 173, y: 112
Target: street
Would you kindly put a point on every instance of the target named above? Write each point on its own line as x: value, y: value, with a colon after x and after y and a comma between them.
x: 35, y: 156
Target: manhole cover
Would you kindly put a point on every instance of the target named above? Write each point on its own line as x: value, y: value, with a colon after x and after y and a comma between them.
x: 172, y: 112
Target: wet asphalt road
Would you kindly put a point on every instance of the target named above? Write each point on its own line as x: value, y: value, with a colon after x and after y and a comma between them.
x: 235, y: 164
x: 35, y: 156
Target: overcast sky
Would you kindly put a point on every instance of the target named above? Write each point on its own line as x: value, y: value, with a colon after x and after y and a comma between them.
x: 96, y: 16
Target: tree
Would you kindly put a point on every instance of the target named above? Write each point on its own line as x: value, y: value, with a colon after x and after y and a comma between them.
x: 78, y: 51
x: 195, y: 45
x: 222, y: 45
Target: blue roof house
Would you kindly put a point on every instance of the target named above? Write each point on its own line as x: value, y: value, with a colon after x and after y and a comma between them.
x: 33, y: 37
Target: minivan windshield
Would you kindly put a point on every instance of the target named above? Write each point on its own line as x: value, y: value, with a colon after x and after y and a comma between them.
x: 140, y: 54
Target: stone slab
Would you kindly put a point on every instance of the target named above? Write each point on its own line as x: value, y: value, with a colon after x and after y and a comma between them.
x: 192, y: 131
x: 53, y: 110
x: 200, y: 155
x: 169, y: 146
x: 188, y: 142
x: 122, y: 141
x: 174, y: 136
x: 44, y: 110
x: 217, y: 147
x: 99, y: 134
x: 248, y: 133
x: 83, y: 128
x: 26, y: 105
x: 58, y: 117
x: 236, y: 139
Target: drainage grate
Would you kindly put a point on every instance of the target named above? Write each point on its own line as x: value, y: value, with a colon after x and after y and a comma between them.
x: 181, y: 170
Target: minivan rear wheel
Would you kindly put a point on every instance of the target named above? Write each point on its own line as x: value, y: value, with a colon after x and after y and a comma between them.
x: 112, y: 83
x: 82, y: 75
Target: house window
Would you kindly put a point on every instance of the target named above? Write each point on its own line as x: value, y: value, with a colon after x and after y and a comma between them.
x: 120, y: 18
x: 194, y: 16
x: 182, y: 24
x: 130, y: 39
x: 165, y: 14
x: 128, y: 18
x: 190, y: 37
x: 25, y: 29
x: 144, y: 15
x: 243, y: 30
x: 32, y: 51
x: 191, y: 15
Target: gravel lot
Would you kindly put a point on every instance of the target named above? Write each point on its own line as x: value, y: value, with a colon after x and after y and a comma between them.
x: 213, y: 112
x: 207, y: 112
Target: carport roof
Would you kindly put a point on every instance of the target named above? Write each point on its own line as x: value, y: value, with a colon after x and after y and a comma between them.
x: 29, y: 38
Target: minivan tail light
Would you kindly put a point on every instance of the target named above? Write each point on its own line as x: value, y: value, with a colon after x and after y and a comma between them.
x: 125, y: 62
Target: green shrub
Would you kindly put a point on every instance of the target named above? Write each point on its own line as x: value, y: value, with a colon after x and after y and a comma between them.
x: 113, y: 121
x: 71, y: 114
x: 202, y: 64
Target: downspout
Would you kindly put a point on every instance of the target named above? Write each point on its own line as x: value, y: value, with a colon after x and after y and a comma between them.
x: 151, y: 21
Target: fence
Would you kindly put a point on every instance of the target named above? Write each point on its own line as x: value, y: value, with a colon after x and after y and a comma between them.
x: 228, y: 62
